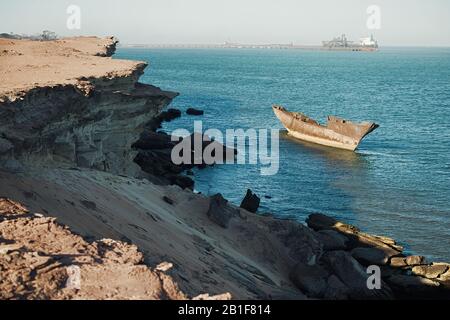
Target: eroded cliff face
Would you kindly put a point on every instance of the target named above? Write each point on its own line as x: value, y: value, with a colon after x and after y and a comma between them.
x: 74, y: 120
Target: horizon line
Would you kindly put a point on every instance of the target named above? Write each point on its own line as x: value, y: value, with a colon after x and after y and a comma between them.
x: 292, y: 45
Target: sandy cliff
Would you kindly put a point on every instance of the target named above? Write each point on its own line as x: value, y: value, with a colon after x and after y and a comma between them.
x: 64, y: 104
x: 69, y: 116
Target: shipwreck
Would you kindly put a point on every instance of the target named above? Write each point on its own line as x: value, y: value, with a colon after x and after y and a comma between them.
x: 338, y: 133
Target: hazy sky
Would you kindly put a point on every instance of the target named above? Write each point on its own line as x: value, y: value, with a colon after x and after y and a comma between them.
x: 403, y: 22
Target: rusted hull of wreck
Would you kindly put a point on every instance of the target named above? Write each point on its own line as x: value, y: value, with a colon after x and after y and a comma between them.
x: 338, y: 133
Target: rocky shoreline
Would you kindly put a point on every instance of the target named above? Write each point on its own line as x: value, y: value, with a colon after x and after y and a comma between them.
x: 79, y: 143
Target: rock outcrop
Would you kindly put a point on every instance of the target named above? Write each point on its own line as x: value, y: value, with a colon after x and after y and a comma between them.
x: 220, y: 212
x: 155, y: 154
x: 80, y: 110
x: 194, y: 112
x: 250, y: 202
x: 402, y: 276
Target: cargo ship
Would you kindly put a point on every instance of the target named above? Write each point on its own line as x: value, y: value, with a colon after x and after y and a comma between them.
x: 338, y: 133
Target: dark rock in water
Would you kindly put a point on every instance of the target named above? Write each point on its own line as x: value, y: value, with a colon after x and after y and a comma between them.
x: 220, y: 212
x: 318, y: 221
x: 169, y: 115
x: 311, y: 280
x: 157, y: 163
x: 268, y: 197
x: 167, y: 200
x: 369, y: 256
x: 190, y: 172
x: 204, y: 151
x: 194, y: 112
x: 250, y: 202
x: 332, y: 240
x: 155, y: 155
x: 354, y: 276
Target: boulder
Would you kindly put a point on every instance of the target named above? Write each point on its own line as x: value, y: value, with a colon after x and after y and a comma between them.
x: 301, y: 242
x: 157, y: 162
x: 155, y: 155
x: 165, y: 116
x: 445, y: 276
x: 201, y: 145
x: 409, y: 286
x: 415, y: 260
x: 220, y: 212
x: 369, y: 256
x: 398, y: 262
x: 169, y: 115
x: 153, y: 140
x: 250, y: 202
x: 409, y: 261
x: 318, y: 221
x: 387, y: 271
x: 194, y: 112
x: 332, y: 240
x: 354, y: 276
x: 431, y: 272
x: 336, y: 290
x: 311, y: 280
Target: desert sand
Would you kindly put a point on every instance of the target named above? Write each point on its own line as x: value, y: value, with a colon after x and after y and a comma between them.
x: 28, y: 64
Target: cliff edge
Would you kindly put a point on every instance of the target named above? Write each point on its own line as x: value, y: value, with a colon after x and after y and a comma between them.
x: 64, y: 103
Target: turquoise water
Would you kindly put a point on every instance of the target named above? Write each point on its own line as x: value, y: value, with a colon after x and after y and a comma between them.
x: 396, y: 184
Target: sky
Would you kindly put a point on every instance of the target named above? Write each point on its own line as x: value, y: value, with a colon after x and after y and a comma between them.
x: 401, y: 23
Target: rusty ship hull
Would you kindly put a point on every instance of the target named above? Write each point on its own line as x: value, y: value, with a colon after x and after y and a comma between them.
x: 338, y: 133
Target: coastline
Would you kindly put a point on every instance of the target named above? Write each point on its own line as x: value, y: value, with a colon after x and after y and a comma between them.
x: 72, y: 159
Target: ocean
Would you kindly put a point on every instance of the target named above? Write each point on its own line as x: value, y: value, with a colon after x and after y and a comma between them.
x: 396, y: 184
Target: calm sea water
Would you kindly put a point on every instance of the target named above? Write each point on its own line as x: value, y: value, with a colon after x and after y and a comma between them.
x: 398, y: 181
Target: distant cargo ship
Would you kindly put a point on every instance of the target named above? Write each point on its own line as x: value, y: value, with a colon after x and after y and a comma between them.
x: 342, y: 43
x: 339, y: 43
x: 338, y: 133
